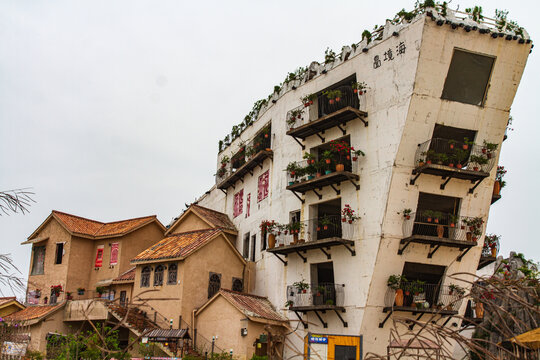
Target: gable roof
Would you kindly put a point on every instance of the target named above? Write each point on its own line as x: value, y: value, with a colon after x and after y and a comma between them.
x: 36, y: 312
x: 125, y: 277
x: 78, y: 225
x: 179, y: 245
x: 257, y: 308
x: 11, y: 300
x: 213, y: 218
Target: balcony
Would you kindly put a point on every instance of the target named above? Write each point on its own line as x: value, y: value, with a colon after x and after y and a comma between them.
x: 489, y: 253
x: 451, y: 159
x: 87, y: 309
x: 300, y: 182
x: 436, y: 229
x: 318, y: 298
x: 321, y: 233
x: 419, y: 298
x: 323, y: 114
x: 244, y: 162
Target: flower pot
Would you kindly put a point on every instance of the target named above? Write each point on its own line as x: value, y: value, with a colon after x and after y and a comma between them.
x: 328, y: 161
x: 304, y: 291
x: 484, y: 150
x: 361, y: 92
x: 452, y: 225
x: 343, y: 219
x: 496, y: 188
x: 291, y: 183
x: 69, y: 297
x: 331, y: 101
x: 459, y: 166
x: 348, y: 157
x: 340, y: 167
x: 428, y: 219
x: 475, y: 168
x: 436, y: 220
x: 440, y: 231
x: 295, y: 238
x: 408, y: 217
x: 355, y: 158
x: 451, y: 165
x: 489, y: 155
x: 318, y: 174
x: 350, y: 221
x: 355, y: 91
x: 271, y: 241
x: 399, y: 297
x: 266, y: 136
x: 311, y: 177
x: 301, y: 241
x: 318, y: 228
x: 428, y: 162
x: 465, y: 147
x: 338, y: 99
x: 494, y: 251
x: 421, y: 163
x: 325, y: 227
x: 281, y: 244
x: 326, y: 172
x: 451, y: 146
x: 268, y: 149
x: 479, y: 309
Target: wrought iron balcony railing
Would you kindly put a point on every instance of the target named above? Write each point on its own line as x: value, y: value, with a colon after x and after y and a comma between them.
x: 325, y: 227
x: 308, y: 171
x: 418, y: 297
x: 455, y: 155
x: 442, y: 226
x: 316, y: 295
x: 321, y: 107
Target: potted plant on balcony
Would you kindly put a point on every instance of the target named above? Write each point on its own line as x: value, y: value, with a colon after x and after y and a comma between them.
x: 474, y: 227
x: 294, y: 229
x: 397, y: 282
x: 310, y: 158
x: 359, y: 87
x: 467, y: 143
x: 325, y: 222
x: 250, y: 151
x: 318, y: 296
x: 430, y: 156
x: 319, y: 166
x: 292, y: 169
x: 100, y: 290
x: 451, y: 143
x: 80, y: 291
x: 477, y: 161
x: 451, y: 160
x: 267, y: 227
x: 37, y: 293
x: 491, y: 241
x: 453, y: 220
x: 428, y: 214
x: 56, y: 289
x: 329, y: 302
x: 69, y: 296
x: 221, y: 172
x: 289, y: 304
x: 341, y: 149
x: 356, y: 153
x: 327, y: 156
x: 309, y: 99
x: 407, y: 214
x: 301, y: 286
x: 348, y: 214
x: 458, y: 290
x: 460, y: 156
x: 488, y: 149
x: 224, y: 161
x: 499, y: 183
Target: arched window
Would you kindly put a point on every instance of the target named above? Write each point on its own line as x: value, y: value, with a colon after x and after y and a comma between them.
x: 158, y: 276
x: 173, y: 274
x: 237, y: 285
x: 214, y: 284
x: 145, y: 276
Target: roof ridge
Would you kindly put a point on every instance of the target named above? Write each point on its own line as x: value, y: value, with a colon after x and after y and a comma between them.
x: 104, y: 223
x: 205, y: 208
x: 195, y: 231
x: 137, y: 218
x: 77, y: 216
x: 244, y: 294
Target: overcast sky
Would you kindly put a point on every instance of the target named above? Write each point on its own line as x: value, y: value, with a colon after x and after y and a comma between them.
x: 113, y: 109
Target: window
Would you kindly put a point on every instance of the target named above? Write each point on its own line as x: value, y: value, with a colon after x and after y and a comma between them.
x: 173, y: 274
x: 38, y: 261
x: 59, y: 253
x: 237, y: 284
x: 214, y: 284
x: 99, y: 256
x: 158, y: 276
x: 253, y: 242
x: 245, y: 246
x: 263, y: 240
x: 238, y: 203
x: 468, y: 77
x: 145, y: 276
x: 262, y: 190
x: 114, y: 254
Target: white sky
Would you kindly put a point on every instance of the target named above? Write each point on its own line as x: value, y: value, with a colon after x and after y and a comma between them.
x: 111, y: 110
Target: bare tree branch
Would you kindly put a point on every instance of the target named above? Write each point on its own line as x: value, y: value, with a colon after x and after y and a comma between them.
x: 15, y: 200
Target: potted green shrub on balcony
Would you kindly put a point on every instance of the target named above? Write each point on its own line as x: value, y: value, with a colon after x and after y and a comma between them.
x: 80, y: 291
x: 301, y: 286
x: 396, y: 282
x: 325, y: 222
x: 328, y: 156
x: 477, y: 161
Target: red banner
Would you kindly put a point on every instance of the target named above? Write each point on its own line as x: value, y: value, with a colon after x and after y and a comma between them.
x: 99, y: 256
x: 114, y: 254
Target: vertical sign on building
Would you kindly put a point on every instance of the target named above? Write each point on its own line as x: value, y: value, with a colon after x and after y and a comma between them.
x: 238, y: 203
x: 262, y: 190
x: 248, y: 204
x: 114, y: 254
x: 99, y: 256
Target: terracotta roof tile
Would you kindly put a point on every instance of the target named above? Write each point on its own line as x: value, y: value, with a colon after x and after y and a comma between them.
x: 80, y: 225
x: 216, y: 218
x: 177, y: 245
x: 32, y: 312
x: 126, y: 276
x: 253, y: 305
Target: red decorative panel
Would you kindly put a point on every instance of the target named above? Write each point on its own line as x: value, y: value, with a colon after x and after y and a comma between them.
x: 238, y: 203
x: 99, y: 256
x: 262, y: 190
x: 114, y: 254
x: 248, y: 204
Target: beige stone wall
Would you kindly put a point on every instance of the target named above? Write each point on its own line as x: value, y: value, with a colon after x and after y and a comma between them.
x: 54, y: 274
x: 128, y: 288
x: 189, y: 223
x: 82, y: 310
x: 54, y: 324
x: 81, y: 264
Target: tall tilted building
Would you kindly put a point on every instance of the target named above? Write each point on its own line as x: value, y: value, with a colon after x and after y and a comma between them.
x: 428, y: 102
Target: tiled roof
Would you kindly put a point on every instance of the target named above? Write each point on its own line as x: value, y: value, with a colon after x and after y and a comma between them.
x: 80, y: 225
x: 33, y: 312
x: 5, y: 300
x: 177, y: 245
x: 216, y: 218
x: 126, y: 276
x: 252, y: 305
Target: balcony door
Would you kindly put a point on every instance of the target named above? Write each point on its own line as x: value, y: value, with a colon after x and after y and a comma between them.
x: 443, y: 207
x: 322, y: 283
x: 431, y: 275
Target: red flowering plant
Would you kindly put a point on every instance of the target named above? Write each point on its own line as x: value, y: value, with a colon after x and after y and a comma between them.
x: 341, y: 148
x: 491, y: 241
x: 268, y: 226
x: 56, y: 289
x: 347, y: 214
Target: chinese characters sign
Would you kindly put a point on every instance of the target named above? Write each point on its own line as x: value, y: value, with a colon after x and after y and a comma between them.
x: 262, y: 190
x: 389, y: 55
x: 99, y: 256
x: 238, y: 203
x: 114, y: 254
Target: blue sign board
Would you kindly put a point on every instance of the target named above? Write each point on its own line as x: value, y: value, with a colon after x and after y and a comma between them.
x: 318, y: 339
